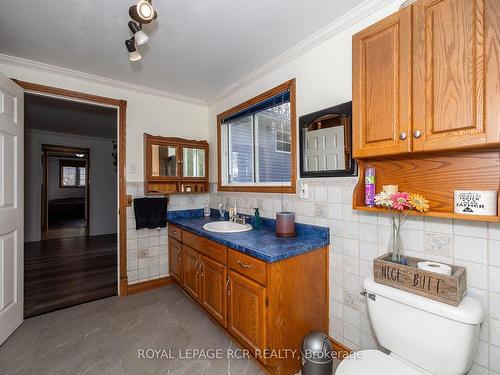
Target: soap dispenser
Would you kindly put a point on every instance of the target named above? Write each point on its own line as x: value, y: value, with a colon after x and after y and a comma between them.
x: 257, y: 219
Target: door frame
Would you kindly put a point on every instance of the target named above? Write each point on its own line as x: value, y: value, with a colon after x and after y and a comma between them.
x: 121, y: 106
x: 62, y: 150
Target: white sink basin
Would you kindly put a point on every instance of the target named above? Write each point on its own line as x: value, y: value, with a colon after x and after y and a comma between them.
x: 226, y: 227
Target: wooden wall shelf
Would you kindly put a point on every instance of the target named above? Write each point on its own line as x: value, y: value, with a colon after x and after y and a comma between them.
x: 443, y: 215
x: 436, y: 176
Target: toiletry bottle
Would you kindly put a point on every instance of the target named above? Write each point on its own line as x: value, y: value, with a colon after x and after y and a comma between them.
x: 206, y: 211
x: 370, y: 187
x: 257, y: 219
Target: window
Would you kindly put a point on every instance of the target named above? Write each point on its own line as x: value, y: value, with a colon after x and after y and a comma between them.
x: 256, y: 141
x: 72, y: 173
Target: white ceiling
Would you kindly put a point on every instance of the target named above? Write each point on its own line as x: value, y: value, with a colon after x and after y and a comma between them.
x: 70, y: 117
x: 197, y: 47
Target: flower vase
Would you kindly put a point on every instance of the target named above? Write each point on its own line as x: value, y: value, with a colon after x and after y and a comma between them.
x: 396, y: 239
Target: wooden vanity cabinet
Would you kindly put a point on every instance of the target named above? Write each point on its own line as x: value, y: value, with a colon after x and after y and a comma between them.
x: 191, y: 271
x: 213, y: 296
x: 175, y: 259
x: 247, y: 312
x: 426, y: 79
x: 265, y: 307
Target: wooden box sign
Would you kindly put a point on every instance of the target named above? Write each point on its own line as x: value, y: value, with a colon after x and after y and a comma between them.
x: 447, y: 289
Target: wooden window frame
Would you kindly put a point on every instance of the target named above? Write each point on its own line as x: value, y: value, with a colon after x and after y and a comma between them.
x: 72, y: 163
x: 262, y: 188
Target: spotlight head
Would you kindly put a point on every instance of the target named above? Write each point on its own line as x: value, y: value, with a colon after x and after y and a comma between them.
x: 139, y: 35
x: 133, y: 55
x: 142, y: 12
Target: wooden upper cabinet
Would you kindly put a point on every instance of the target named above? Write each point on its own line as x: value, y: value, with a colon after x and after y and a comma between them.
x: 449, y: 75
x: 430, y: 71
x: 175, y: 165
x: 382, y: 87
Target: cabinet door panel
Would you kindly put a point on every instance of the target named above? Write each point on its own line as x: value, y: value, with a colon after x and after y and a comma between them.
x: 449, y: 74
x: 175, y: 259
x: 382, y: 87
x: 191, y: 276
x: 247, y: 311
x: 213, y: 289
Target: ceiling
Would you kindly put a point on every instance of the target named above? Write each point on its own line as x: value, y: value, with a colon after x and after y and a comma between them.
x: 197, y: 47
x: 64, y: 116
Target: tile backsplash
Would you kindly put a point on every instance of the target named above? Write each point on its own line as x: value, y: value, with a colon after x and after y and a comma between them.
x: 147, y: 256
x: 357, y: 237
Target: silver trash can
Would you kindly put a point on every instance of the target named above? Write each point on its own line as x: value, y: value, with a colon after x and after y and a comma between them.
x: 317, y: 354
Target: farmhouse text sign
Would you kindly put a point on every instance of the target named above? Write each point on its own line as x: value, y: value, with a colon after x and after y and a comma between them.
x: 442, y: 288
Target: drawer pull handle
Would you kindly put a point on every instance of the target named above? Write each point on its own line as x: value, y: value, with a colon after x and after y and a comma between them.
x: 243, y: 265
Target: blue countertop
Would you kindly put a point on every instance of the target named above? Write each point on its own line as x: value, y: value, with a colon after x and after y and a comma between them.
x: 260, y: 243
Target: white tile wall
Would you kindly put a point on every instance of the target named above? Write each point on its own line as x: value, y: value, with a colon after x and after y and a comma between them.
x: 359, y: 237
x: 147, y: 249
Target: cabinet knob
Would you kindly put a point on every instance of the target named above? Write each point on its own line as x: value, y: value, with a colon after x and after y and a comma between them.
x: 417, y: 133
x: 402, y: 136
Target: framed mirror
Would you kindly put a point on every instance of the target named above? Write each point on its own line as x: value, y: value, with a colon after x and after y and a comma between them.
x: 193, y: 162
x: 326, y: 143
x: 163, y: 160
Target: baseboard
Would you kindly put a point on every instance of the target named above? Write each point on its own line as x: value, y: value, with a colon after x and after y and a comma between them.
x: 148, y: 285
x: 123, y: 286
x: 341, y: 350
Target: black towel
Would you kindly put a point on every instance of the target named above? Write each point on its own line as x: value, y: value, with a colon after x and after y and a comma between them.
x: 150, y: 212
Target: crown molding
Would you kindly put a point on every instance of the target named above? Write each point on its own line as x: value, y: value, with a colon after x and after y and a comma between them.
x: 343, y: 22
x: 42, y: 67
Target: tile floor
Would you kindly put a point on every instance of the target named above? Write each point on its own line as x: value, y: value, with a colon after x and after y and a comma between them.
x: 103, y: 337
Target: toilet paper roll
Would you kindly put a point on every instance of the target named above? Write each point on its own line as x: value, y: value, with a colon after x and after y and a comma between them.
x: 440, y: 268
x: 390, y: 189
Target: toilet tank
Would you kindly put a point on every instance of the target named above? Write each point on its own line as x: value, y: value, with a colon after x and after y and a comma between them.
x: 436, y: 337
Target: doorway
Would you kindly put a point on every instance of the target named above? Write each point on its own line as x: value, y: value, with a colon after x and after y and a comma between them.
x: 65, y: 192
x: 71, y: 231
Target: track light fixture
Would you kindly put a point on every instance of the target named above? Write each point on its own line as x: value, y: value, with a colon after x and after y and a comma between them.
x: 133, y: 54
x: 142, y: 13
x: 139, y: 35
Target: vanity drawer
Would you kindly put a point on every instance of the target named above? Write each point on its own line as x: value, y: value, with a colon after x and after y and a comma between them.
x: 248, y: 266
x: 175, y: 232
x: 211, y: 249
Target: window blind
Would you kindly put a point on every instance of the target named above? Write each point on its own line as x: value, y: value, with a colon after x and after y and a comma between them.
x: 283, y: 97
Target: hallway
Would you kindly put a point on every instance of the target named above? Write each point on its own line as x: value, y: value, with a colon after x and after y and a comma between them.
x: 68, y: 271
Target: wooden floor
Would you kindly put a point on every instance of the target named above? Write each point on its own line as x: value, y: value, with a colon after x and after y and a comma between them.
x: 68, y: 271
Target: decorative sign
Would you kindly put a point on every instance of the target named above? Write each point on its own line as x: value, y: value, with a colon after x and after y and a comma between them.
x: 476, y: 202
x: 442, y: 288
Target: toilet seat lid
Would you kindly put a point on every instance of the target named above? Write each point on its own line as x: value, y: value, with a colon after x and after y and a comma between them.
x: 374, y: 362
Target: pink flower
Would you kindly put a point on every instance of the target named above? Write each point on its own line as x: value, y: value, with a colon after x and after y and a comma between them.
x: 399, y: 201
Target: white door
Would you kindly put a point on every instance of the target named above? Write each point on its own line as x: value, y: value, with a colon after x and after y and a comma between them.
x: 11, y: 207
x: 325, y: 149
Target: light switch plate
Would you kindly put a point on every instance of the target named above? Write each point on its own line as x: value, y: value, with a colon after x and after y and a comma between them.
x: 131, y: 168
x: 304, y: 190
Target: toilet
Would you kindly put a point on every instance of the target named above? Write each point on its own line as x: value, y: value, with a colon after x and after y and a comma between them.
x: 423, y: 336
